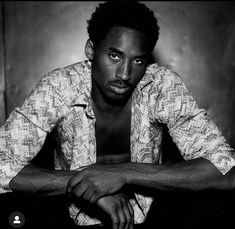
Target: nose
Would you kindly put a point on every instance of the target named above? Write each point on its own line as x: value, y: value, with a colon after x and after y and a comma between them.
x: 123, y: 71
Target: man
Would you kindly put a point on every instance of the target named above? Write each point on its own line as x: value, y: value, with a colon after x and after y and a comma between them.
x: 106, y: 114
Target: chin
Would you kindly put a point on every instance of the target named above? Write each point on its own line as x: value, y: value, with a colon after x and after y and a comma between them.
x: 117, y: 100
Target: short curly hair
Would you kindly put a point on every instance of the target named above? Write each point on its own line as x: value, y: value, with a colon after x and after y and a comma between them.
x: 132, y: 14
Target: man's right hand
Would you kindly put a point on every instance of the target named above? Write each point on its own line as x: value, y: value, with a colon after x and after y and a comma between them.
x: 119, y: 209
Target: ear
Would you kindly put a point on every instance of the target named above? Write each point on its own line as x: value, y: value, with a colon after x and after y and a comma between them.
x: 89, y: 49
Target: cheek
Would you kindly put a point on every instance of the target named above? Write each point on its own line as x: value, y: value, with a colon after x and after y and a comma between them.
x: 104, y: 71
x: 107, y: 69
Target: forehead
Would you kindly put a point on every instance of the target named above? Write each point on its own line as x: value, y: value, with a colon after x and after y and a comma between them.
x: 126, y: 40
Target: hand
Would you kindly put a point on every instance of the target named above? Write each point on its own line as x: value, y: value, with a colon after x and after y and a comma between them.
x: 119, y: 209
x: 96, y: 181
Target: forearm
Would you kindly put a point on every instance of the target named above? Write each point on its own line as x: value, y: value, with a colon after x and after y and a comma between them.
x: 194, y: 175
x: 45, y: 182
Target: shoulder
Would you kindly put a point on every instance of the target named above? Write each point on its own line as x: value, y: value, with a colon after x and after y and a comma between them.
x: 69, y: 75
x: 162, y: 76
x: 161, y: 72
x: 67, y: 81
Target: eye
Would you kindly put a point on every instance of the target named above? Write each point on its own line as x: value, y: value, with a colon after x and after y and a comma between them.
x: 138, y: 61
x: 114, y: 56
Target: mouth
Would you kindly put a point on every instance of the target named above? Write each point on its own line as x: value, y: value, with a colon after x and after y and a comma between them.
x: 119, y: 89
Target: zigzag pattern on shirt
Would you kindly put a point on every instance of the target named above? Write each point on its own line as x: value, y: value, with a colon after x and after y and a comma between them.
x: 61, y: 102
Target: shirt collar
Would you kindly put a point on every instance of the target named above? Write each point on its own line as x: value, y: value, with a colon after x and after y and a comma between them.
x: 147, y: 78
x: 84, y: 87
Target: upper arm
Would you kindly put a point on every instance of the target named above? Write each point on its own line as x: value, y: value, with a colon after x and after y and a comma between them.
x: 20, y: 141
x: 24, y: 132
x: 190, y: 127
x: 46, y: 104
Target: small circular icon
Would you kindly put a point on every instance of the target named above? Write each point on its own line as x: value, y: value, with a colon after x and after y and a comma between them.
x: 16, y: 219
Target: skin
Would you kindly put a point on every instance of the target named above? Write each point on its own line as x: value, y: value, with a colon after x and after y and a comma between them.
x: 118, y: 64
x: 117, y: 61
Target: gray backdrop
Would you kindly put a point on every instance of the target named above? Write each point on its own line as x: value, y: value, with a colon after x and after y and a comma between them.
x: 197, y: 40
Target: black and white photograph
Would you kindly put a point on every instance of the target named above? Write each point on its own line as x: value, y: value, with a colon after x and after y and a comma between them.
x: 117, y: 114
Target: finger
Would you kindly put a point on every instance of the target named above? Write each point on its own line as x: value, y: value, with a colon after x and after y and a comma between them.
x: 96, y: 196
x: 122, y: 218
x: 79, y: 189
x: 128, y: 217
x: 87, y: 195
x: 127, y: 213
x: 115, y: 220
x: 77, y: 179
x: 69, y: 187
x: 73, y: 182
x: 132, y: 214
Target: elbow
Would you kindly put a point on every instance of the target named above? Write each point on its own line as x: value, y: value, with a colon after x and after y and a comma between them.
x: 228, y: 180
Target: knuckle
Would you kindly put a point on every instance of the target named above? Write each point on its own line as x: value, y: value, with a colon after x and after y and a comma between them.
x: 86, y: 196
x: 128, y: 217
x: 115, y: 207
x: 96, y: 185
x: 118, y: 206
x: 123, y: 201
x: 70, y: 184
x: 129, y: 222
x: 97, y: 195
x: 131, y: 211
x: 93, y: 199
x: 92, y: 184
x: 115, y: 221
x: 123, y: 222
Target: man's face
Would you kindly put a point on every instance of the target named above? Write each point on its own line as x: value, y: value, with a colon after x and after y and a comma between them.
x: 119, y: 63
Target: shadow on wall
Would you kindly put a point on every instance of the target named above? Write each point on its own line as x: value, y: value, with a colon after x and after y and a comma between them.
x: 196, y: 40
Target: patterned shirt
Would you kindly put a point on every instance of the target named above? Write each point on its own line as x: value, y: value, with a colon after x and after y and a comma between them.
x: 61, y: 102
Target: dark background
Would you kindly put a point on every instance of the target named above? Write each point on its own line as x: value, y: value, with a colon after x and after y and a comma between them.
x: 197, y: 40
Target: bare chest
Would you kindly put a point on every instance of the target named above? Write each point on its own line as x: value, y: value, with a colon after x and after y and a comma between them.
x: 113, y: 137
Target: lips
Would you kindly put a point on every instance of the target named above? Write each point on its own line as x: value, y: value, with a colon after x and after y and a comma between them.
x: 120, y: 89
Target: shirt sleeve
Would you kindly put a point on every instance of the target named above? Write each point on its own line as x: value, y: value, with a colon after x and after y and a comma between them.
x: 24, y: 132
x: 190, y: 127
x: 20, y: 140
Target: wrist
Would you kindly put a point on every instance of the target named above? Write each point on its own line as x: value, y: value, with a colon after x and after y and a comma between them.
x: 129, y: 173
x: 67, y: 181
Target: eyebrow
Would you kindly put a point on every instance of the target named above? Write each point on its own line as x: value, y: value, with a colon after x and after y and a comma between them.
x: 120, y: 52
x: 115, y: 50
